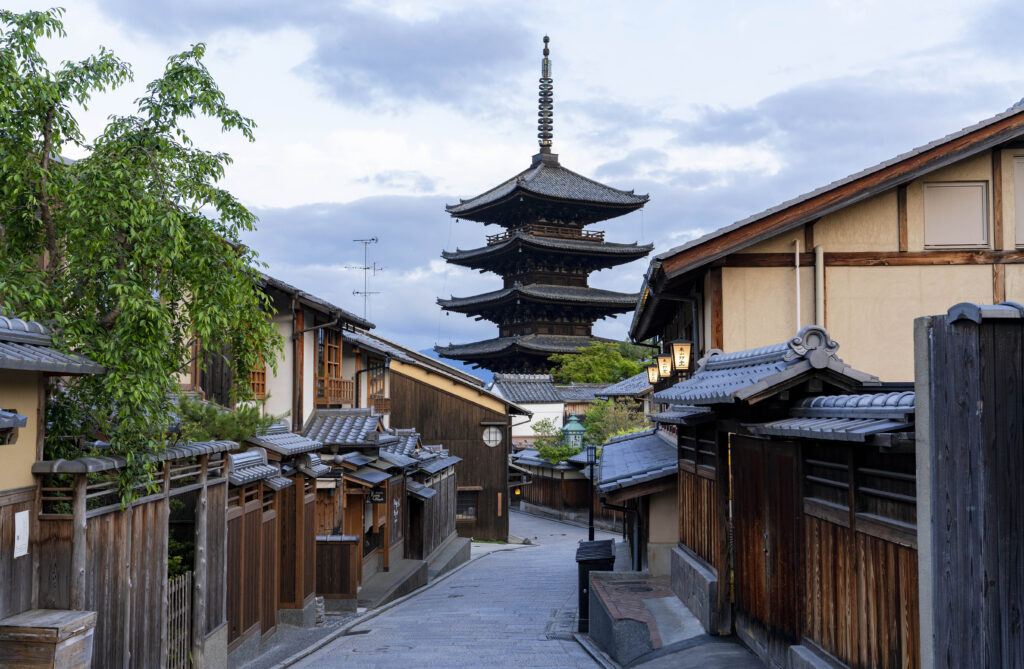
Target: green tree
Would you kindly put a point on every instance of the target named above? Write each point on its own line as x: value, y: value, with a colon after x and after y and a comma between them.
x: 600, y: 362
x: 550, y: 443
x: 609, y: 418
x: 132, y: 252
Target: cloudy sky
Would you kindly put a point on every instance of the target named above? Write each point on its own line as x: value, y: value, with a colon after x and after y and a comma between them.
x: 372, y: 115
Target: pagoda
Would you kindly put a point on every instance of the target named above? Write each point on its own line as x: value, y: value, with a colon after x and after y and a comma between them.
x: 545, y: 255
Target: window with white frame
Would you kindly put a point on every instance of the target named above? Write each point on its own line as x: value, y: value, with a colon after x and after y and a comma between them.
x: 956, y: 215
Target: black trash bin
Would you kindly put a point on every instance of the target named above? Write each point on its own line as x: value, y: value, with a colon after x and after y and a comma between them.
x: 592, y: 556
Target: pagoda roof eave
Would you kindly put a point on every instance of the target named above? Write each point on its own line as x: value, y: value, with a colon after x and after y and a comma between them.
x: 627, y: 252
x: 534, y: 343
x: 576, y: 295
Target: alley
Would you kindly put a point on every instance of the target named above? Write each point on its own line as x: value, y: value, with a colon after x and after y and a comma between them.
x: 512, y: 608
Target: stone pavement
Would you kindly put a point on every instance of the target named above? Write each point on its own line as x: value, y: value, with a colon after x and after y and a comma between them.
x: 511, y: 608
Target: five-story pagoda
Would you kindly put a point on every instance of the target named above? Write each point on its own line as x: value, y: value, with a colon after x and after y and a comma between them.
x: 545, y: 256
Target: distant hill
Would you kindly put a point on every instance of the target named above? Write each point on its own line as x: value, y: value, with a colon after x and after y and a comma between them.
x: 483, y: 374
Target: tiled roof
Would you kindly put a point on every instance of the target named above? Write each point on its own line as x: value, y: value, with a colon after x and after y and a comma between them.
x: 368, y: 475
x: 397, y: 459
x: 277, y: 482
x: 531, y: 457
x: 728, y: 377
x: 93, y: 464
x: 559, y: 244
x: 845, y: 417
x: 26, y: 345
x: 636, y: 458
x: 439, y: 463
x: 634, y: 386
x: 419, y: 490
x: 342, y: 427
x: 548, y: 293
x: 286, y: 444
x: 682, y: 414
x: 311, y: 465
x: 249, y: 466
x: 527, y: 388
x: 313, y: 300
x: 582, y: 392
x: 406, y: 442
x: 10, y: 419
x: 551, y: 180
x: 534, y: 342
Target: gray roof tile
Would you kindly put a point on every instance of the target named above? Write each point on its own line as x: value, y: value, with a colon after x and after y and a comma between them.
x: 582, y: 392
x: 545, y: 292
x: 26, y: 345
x: 560, y: 244
x: 343, y: 427
x: 682, y: 414
x: 527, y: 388
x: 636, y: 458
x: 9, y: 419
x: 845, y: 417
x: 286, y: 444
x: 535, y: 343
x: 728, y: 377
x: 634, y: 386
x: 93, y: 464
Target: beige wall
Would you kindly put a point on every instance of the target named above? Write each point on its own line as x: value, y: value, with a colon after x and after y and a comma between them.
x: 759, y: 305
x: 19, y: 392
x: 279, y: 385
x: 663, y: 533
x: 308, y: 367
x: 1015, y: 283
x: 870, y: 311
x: 871, y: 225
x: 1013, y: 192
x: 781, y: 244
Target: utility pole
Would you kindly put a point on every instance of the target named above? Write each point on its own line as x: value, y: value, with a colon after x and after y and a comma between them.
x: 367, y: 269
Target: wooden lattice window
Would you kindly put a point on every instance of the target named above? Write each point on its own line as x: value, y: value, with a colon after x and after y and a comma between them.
x: 258, y: 381
x: 331, y: 389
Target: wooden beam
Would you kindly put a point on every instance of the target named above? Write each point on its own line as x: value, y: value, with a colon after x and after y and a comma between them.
x: 901, y: 218
x: 875, y: 258
x: 642, y: 490
x: 299, y: 349
x: 809, y: 236
x: 717, y: 325
x: 997, y: 199
x: 998, y: 283
x: 834, y: 199
x: 78, y: 544
x: 200, y: 577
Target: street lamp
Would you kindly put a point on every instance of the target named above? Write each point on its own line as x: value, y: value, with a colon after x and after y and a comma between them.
x: 652, y: 374
x: 681, y: 349
x: 591, y: 460
x: 573, y: 432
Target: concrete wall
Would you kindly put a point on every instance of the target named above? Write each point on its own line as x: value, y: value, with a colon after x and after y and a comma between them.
x: 19, y: 392
x: 550, y: 410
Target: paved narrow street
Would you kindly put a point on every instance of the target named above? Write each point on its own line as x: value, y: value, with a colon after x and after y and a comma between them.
x: 512, y: 608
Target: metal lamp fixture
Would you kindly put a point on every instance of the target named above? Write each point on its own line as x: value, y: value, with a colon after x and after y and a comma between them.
x: 681, y: 350
x: 664, y: 365
x: 591, y: 454
x: 652, y: 374
x: 573, y: 432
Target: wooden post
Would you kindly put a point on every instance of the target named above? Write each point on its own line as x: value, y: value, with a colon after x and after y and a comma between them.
x: 78, y: 544
x: 199, y: 569
x: 299, y: 363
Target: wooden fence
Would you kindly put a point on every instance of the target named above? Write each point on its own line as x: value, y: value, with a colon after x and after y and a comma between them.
x: 337, y: 566
x: 179, y: 621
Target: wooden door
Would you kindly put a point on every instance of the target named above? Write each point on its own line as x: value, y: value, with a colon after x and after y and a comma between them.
x: 767, y: 526
x: 353, y: 525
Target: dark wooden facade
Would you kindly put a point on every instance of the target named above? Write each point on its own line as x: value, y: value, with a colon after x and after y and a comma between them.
x: 458, y: 423
x: 15, y: 573
x: 430, y: 522
x: 550, y: 489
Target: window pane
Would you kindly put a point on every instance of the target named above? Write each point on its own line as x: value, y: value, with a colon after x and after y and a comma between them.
x: 465, y: 508
x: 956, y: 214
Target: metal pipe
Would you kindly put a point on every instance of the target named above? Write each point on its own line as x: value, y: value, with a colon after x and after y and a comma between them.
x: 819, y: 286
x: 796, y: 269
x: 295, y: 335
x: 590, y: 526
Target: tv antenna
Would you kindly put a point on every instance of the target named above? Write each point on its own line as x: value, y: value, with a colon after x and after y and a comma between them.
x: 367, y: 269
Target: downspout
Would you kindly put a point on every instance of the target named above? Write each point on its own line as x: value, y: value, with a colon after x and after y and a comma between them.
x: 296, y: 383
x: 819, y: 286
x: 796, y: 269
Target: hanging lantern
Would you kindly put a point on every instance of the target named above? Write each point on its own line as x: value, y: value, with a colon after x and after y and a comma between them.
x: 652, y: 374
x: 665, y: 365
x: 681, y: 349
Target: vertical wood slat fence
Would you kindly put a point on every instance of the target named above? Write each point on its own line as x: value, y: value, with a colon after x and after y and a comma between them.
x: 179, y: 622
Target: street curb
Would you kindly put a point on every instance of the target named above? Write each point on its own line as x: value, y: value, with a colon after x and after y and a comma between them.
x: 593, y: 651
x: 563, y: 522
x: 370, y: 615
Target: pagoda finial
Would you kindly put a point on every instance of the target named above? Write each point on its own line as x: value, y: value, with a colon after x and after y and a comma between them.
x: 546, y: 106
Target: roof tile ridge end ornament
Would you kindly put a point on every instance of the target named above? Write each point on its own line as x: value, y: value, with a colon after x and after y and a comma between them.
x: 813, y: 343
x: 703, y: 362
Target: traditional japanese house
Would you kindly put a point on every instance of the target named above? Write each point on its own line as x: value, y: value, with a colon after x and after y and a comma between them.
x: 560, y: 490
x: 865, y: 254
x: 538, y: 394
x: 821, y: 519
x: 636, y: 388
x: 637, y: 476
x: 544, y: 256
x: 579, y: 398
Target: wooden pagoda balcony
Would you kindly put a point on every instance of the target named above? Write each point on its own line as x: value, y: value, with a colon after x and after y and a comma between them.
x: 331, y: 391
x: 548, y: 231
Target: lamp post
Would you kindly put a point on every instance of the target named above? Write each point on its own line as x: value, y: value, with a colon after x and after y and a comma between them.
x: 591, y: 460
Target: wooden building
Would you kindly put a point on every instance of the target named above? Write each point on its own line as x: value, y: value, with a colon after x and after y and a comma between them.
x: 822, y: 508
x: 561, y: 490
x: 544, y: 256
x: 865, y: 254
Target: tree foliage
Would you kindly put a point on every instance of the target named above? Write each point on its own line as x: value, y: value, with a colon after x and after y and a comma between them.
x: 204, y: 421
x: 550, y: 442
x: 600, y: 362
x: 610, y: 418
x: 133, y: 252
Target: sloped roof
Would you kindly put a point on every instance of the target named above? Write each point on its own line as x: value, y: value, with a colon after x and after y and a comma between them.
x: 582, y: 392
x: 285, y: 443
x: 531, y: 457
x: 682, y: 414
x: 545, y: 293
x: 406, y: 442
x: 102, y: 463
x: 845, y: 417
x: 439, y: 463
x: 534, y: 343
x: 519, y: 238
x: 527, y: 388
x: 730, y: 377
x: 10, y: 419
x: 636, y: 458
x: 547, y: 179
x: 343, y: 427
x: 634, y: 386
x: 314, y: 301
x: 27, y: 345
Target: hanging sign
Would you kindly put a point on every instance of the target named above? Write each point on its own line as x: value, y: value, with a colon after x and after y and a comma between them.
x: 378, y: 496
x: 20, y: 534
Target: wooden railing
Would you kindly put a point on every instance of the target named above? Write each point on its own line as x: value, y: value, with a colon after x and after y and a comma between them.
x: 380, y: 404
x: 548, y: 231
x: 330, y: 391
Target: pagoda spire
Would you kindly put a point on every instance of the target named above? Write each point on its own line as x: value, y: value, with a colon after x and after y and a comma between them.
x: 546, y: 106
